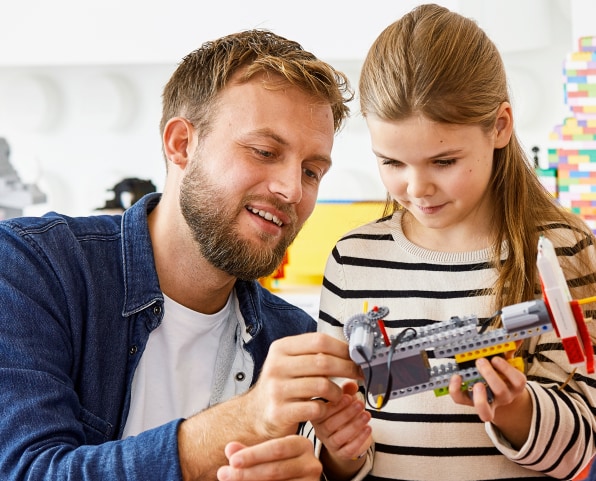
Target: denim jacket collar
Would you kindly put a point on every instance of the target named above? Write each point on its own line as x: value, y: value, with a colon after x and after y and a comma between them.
x: 140, y: 275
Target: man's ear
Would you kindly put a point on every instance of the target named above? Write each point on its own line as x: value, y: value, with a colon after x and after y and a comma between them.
x: 503, y: 125
x: 177, y: 137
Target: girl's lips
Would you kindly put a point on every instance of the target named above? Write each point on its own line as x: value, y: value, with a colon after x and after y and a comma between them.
x: 430, y: 209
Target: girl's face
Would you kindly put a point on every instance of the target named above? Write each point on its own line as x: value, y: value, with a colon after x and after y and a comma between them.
x: 440, y: 174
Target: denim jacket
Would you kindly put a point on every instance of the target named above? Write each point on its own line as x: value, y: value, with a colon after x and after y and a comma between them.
x: 80, y: 297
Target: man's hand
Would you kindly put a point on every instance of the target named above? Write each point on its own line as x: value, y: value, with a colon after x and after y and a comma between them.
x: 296, y: 376
x: 287, y: 458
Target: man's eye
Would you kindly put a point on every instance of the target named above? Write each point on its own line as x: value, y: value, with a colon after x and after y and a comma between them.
x: 315, y: 175
x: 263, y: 153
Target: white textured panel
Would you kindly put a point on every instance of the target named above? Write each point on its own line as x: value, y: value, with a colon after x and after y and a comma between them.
x: 29, y: 102
x: 527, y: 96
x: 105, y: 101
x: 512, y: 24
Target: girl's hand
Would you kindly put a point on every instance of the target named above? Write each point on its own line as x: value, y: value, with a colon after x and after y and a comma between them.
x: 345, y: 434
x: 510, y: 406
x: 504, y: 381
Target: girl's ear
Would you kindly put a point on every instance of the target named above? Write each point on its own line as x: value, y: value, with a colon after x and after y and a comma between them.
x: 503, y: 125
x: 177, y: 137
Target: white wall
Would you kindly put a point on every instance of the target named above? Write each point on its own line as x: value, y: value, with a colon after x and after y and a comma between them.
x: 80, y: 83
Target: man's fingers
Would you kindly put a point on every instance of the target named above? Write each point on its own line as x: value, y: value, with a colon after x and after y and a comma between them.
x: 232, y: 448
x: 315, y: 365
x: 288, y: 458
x: 311, y: 343
x: 276, y: 449
x: 305, y: 388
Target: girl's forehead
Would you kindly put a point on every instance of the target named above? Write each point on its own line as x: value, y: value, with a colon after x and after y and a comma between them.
x: 419, y: 126
x: 421, y: 138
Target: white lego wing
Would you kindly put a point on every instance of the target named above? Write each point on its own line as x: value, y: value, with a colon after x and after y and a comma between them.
x: 567, y: 319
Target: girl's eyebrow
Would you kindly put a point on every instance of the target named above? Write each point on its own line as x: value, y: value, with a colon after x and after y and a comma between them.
x: 382, y: 156
x: 443, y: 154
x: 446, y: 153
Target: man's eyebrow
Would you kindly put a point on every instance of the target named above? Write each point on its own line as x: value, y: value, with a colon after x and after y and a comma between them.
x: 266, y: 132
x: 322, y: 158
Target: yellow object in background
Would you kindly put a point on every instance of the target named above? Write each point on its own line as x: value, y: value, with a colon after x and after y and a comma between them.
x: 307, y: 256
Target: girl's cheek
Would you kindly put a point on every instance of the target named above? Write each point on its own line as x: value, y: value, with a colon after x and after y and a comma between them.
x: 394, y: 185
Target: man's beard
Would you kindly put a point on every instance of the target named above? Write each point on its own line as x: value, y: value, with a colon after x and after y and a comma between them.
x: 214, y: 228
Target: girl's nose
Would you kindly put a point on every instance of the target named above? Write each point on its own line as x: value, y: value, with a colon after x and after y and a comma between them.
x: 419, y: 185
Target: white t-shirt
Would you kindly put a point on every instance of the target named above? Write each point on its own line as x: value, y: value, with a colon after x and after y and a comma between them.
x: 175, y: 373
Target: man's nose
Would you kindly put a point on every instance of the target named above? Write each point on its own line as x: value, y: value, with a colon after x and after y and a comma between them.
x: 287, y: 183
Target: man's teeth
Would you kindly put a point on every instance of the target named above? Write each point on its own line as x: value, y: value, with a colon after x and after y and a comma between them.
x: 266, y: 215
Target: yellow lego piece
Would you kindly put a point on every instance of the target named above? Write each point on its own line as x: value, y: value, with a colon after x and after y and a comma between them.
x: 581, y: 56
x: 517, y: 363
x: 485, y: 352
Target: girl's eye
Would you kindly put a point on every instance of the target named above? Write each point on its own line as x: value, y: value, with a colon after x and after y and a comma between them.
x: 444, y: 162
x: 394, y: 163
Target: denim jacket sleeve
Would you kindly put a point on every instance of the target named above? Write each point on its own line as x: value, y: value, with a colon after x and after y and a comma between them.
x: 61, y: 402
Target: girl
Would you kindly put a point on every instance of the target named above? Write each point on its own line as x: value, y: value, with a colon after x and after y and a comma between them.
x: 464, y: 214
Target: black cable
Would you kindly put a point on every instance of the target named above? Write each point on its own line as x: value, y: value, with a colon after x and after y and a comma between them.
x: 367, y: 387
x: 484, y: 325
x: 389, y: 382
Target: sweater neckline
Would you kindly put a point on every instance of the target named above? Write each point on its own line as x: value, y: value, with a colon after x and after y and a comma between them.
x: 463, y: 257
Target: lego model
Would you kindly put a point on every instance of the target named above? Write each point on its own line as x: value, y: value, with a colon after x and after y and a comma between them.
x: 399, y: 366
x: 14, y: 195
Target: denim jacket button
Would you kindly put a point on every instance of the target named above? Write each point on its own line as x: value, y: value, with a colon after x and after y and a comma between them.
x: 132, y: 350
x: 157, y: 310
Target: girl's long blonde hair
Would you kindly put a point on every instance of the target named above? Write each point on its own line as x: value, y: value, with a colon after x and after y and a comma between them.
x: 440, y: 64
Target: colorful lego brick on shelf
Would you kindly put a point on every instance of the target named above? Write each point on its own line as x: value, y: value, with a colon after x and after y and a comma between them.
x: 579, y: 77
x: 572, y: 145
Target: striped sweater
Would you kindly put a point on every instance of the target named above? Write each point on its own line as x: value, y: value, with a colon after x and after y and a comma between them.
x: 427, y: 438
